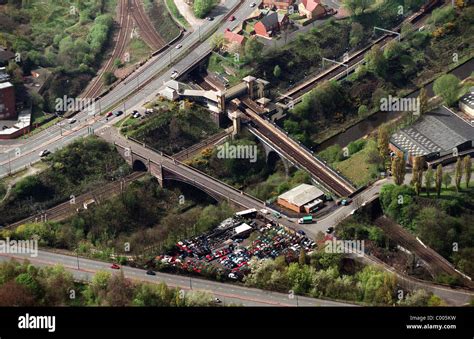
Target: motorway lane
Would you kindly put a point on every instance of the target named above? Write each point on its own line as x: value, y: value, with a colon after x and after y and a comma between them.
x: 51, y: 138
x: 227, y: 292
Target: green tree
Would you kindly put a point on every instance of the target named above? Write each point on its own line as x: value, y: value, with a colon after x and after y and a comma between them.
x: 218, y: 41
x: 383, y: 139
x: 458, y: 173
x: 357, y: 34
x: 253, y: 50
x: 423, y: 97
x: 467, y: 164
x: 376, y: 62
x: 277, y: 71
x: 429, y: 179
x: 302, y: 257
x: 398, y: 170
x: 363, y: 111
x: 447, y: 179
x: 439, y: 179
x: 202, y: 7
x: 447, y: 86
x: 417, y: 173
x: 109, y: 78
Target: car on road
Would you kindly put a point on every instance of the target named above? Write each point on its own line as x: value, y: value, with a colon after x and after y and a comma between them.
x: 217, y: 300
x: 253, y: 4
x: 115, y: 266
x: 209, y: 18
x: 71, y: 121
x: 231, y: 18
x: 44, y: 153
x: 118, y: 113
x: 301, y: 232
x: 174, y: 74
x: 108, y: 115
x: 178, y: 46
x: 329, y: 230
x: 353, y: 211
x: 150, y: 272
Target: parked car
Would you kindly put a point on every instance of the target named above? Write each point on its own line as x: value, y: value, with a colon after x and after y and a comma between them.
x: 115, y: 266
x: 253, y: 4
x: 108, y: 115
x: 150, y: 272
x: 209, y: 18
x: 71, y: 121
x: 329, y: 230
x: 217, y: 300
x: 118, y: 113
x: 232, y: 18
x: 178, y: 46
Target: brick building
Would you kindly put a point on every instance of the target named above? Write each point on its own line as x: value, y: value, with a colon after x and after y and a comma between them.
x: 7, y: 101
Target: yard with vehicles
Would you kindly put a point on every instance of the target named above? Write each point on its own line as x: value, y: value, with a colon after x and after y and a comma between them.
x: 225, y: 251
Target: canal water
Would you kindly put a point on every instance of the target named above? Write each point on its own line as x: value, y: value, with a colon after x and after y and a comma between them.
x: 374, y: 121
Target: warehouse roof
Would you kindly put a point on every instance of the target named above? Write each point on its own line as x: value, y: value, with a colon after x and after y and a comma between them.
x: 302, y: 194
x: 468, y: 98
x: 439, y: 130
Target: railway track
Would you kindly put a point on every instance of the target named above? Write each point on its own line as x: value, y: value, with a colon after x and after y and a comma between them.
x: 397, y: 233
x: 318, y: 170
x: 147, y: 30
x: 66, y: 209
x: 125, y: 23
x: 295, y: 94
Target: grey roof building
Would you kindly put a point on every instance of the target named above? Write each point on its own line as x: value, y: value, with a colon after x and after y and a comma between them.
x: 436, y: 134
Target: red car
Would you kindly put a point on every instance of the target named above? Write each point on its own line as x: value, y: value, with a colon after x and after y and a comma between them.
x: 232, y: 18
x: 115, y: 266
x: 108, y: 114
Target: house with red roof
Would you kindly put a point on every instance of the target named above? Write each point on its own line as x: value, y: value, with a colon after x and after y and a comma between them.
x: 312, y: 9
x: 271, y: 23
x: 233, y: 39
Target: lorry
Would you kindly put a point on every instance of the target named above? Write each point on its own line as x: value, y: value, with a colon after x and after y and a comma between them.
x: 306, y: 220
